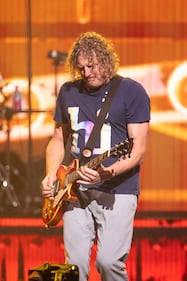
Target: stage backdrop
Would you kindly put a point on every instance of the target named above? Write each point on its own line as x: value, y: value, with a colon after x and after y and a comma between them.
x: 151, y: 39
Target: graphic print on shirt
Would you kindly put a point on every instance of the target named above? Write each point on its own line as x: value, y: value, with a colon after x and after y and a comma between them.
x: 87, y: 126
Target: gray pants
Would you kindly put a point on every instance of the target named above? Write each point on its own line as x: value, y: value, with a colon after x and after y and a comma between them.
x: 113, y: 229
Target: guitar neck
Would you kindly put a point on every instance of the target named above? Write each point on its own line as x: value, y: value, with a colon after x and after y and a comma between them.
x: 120, y: 149
x: 92, y: 164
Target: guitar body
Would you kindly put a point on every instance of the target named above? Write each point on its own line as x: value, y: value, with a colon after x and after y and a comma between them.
x: 52, y: 208
x: 66, y: 178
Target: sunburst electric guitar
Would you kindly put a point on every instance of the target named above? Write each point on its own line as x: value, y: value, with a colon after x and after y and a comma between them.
x: 66, y: 179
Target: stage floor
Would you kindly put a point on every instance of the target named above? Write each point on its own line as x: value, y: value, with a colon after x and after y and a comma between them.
x: 158, y: 251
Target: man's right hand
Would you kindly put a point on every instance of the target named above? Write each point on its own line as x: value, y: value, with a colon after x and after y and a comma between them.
x: 47, y: 187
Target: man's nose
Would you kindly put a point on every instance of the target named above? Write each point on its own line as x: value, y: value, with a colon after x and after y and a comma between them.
x: 87, y: 71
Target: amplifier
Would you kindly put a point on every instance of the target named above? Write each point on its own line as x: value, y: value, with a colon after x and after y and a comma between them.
x: 54, y: 272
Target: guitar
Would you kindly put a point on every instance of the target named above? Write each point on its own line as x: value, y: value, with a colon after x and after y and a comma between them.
x: 66, y: 179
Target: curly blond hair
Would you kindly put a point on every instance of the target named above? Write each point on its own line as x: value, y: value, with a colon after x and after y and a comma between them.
x: 88, y: 44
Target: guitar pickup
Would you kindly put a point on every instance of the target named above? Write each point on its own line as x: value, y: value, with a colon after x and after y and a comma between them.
x: 56, y: 187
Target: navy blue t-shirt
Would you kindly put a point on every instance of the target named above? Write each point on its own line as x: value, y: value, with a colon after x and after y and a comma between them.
x: 77, y: 107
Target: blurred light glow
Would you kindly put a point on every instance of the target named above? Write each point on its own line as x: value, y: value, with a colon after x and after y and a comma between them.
x: 173, y: 83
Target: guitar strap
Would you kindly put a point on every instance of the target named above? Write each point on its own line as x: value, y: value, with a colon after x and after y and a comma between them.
x: 99, y: 121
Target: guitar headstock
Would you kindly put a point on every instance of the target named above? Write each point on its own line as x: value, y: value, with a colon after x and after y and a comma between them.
x: 123, y: 148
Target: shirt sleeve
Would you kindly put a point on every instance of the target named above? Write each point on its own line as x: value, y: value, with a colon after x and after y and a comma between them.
x: 60, y: 116
x: 138, y: 104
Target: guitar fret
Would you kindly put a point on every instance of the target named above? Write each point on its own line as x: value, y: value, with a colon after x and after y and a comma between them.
x: 71, y: 177
x: 94, y: 163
